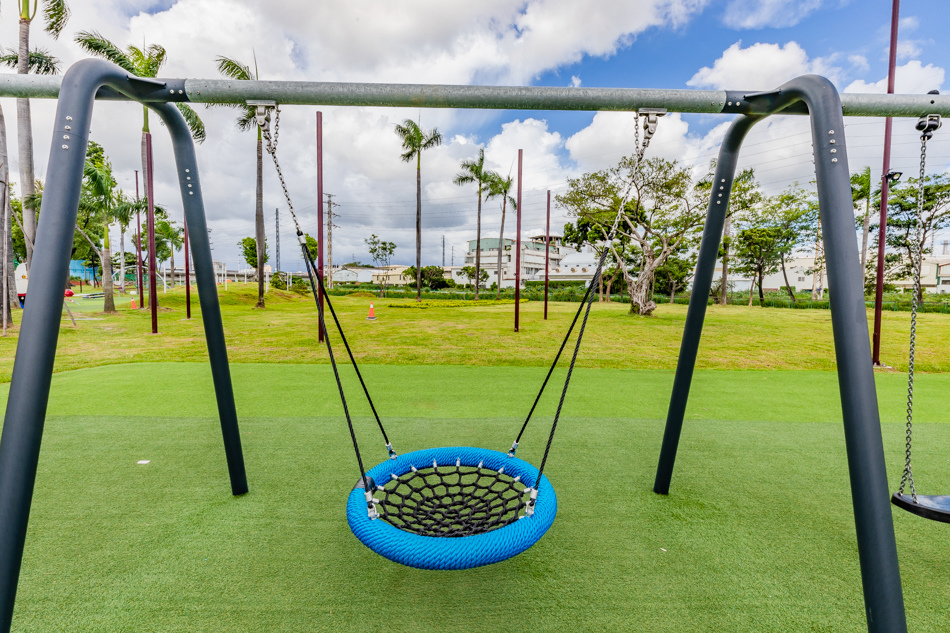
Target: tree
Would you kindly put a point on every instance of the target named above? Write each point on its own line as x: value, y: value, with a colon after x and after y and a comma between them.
x: 498, y: 186
x: 675, y: 272
x: 586, y: 232
x: 659, y: 207
x: 415, y: 140
x: 172, y: 237
x: 433, y: 277
x: 247, y: 119
x: 99, y: 193
x: 312, y: 246
x: 382, y: 253
x: 471, y: 274
x: 756, y: 254
x: 55, y: 16
x: 861, y: 190
x: 250, y: 253
x: 794, y: 214
x: 743, y: 198
x: 473, y: 171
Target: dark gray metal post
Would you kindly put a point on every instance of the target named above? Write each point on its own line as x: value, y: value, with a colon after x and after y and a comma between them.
x: 702, y: 283
x: 193, y: 203
x: 36, y: 347
x: 877, y: 549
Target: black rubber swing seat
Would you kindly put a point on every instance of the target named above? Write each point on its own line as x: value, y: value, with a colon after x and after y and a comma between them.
x: 933, y: 507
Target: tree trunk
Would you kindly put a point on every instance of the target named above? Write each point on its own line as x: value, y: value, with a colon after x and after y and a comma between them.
x: 172, y: 262
x: 864, y: 238
x: 478, y: 241
x: 761, y: 281
x: 6, y: 232
x: 419, y: 226
x: 600, y: 289
x: 785, y: 275
x: 259, y: 220
x: 817, y: 277
x: 122, y: 229
x: 501, y: 244
x: 723, y: 298
x: 107, y: 287
x: 752, y: 291
x: 25, y: 141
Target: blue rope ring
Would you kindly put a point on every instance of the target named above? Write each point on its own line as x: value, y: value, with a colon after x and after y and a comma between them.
x: 464, y: 552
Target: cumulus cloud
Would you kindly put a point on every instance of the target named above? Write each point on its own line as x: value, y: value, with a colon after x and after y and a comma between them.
x: 761, y: 66
x: 758, y: 14
x: 910, y: 78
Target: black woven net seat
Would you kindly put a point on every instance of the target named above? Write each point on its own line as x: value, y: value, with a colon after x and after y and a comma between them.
x: 452, y: 501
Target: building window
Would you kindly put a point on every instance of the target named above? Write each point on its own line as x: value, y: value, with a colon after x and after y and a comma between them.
x: 801, y: 279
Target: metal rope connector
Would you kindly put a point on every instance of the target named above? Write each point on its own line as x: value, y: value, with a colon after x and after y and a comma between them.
x: 371, y: 510
x: 392, y: 453
x: 514, y: 447
x: 532, y: 501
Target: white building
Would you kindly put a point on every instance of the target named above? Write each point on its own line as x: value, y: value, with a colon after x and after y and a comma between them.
x: 532, y: 259
x: 354, y: 275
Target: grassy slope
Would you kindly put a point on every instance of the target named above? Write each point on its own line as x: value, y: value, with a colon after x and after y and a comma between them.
x: 758, y: 533
x: 735, y: 337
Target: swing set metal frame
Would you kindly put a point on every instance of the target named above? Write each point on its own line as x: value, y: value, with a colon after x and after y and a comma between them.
x: 811, y: 95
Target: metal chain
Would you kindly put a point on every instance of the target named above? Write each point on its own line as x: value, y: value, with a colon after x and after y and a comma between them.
x: 271, y: 146
x: 917, y: 256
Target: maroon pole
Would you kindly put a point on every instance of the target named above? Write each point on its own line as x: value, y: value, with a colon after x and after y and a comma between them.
x: 150, y: 186
x: 547, y: 252
x: 320, y: 213
x: 187, y: 275
x: 879, y: 293
x: 138, y: 244
x: 518, y: 251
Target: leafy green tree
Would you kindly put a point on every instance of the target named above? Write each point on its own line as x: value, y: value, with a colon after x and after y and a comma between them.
x: 382, y: 253
x: 433, y: 277
x: 171, y: 237
x: 474, y: 172
x: 659, y: 208
x: 55, y: 16
x: 415, y: 140
x: 585, y: 231
x: 471, y: 274
x: 312, y: 246
x: 247, y: 119
x: 499, y: 186
x: 250, y: 253
x: 861, y: 190
x: 756, y: 253
x: 676, y: 270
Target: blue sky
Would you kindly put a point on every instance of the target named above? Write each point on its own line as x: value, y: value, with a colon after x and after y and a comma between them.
x: 739, y: 44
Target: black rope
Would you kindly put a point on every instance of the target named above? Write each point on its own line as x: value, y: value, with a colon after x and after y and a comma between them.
x: 452, y: 500
x: 558, y: 357
x: 311, y: 270
x: 346, y: 344
x: 570, y: 370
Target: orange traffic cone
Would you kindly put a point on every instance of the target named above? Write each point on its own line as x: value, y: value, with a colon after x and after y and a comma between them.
x: 133, y: 306
x: 372, y: 313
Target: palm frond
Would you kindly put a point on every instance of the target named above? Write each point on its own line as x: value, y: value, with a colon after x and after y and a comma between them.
x: 233, y: 69
x: 154, y: 59
x: 41, y: 61
x: 195, y: 124
x: 95, y: 44
x: 432, y: 139
x: 56, y: 14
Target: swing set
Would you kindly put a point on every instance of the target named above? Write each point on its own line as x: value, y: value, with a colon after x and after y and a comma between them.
x: 460, y: 507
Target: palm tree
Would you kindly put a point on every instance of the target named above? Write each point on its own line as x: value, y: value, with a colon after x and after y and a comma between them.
x: 247, y: 119
x: 55, y: 15
x: 415, y: 140
x: 123, y: 211
x: 473, y: 171
x: 499, y: 186
x: 172, y: 236
x: 861, y: 190
x: 99, y: 190
x: 142, y: 62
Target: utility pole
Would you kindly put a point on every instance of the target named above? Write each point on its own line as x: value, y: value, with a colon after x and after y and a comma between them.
x: 329, y: 240
x: 885, y: 181
x: 277, y: 236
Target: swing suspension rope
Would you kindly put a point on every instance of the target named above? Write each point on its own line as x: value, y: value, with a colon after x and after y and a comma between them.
x: 926, y: 125
x: 473, y: 500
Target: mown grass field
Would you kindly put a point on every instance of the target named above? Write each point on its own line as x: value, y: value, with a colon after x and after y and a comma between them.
x: 756, y: 535
x: 735, y: 337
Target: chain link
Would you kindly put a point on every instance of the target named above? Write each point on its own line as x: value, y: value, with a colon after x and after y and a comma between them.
x: 917, y: 256
x: 271, y: 147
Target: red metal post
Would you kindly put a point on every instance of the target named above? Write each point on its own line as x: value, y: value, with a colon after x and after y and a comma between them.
x: 547, y: 252
x: 138, y: 245
x: 320, y: 213
x: 150, y: 185
x: 187, y: 275
x: 879, y: 294
x: 518, y: 251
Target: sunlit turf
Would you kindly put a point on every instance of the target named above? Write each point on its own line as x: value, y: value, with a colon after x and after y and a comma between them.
x: 756, y: 535
x: 735, y: 337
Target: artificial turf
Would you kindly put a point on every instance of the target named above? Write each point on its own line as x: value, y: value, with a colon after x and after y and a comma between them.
x: 756, y: 535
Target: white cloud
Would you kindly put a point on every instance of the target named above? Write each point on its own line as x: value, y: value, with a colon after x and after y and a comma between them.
x: 757, y: 14
x: 910, y: 78
x: 859, y: 63
x: 761, y: 67
x: 575, y: 81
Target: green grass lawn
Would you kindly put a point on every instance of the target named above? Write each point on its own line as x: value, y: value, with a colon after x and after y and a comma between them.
x: 735, y: 337
x: 756, y: 535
